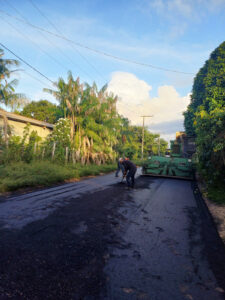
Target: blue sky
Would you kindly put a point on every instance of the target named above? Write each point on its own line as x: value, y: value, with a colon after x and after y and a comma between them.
x: 171, y: 34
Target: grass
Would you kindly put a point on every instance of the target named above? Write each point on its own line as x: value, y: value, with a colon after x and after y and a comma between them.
x: 217, y: 193
x: 21, y: 175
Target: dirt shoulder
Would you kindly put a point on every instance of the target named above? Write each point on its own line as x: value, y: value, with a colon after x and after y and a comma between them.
x: 217, y: 210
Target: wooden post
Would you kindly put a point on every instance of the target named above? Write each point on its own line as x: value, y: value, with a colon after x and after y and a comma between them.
x: 35, y: 147
x: 67, y: 152
x: 73, y: 157
x: 43, y: 153
x: 53, y: 150
x: 158, y: 146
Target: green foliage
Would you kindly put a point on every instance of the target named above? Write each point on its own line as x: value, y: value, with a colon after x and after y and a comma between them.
x: 61, y: 132
x: 44, y: 173
x: 131, y: 145
x: 8, y: 97
x: 21, y: 149
x: 205, y: 116
x: 91, y: 134
x: 42, y: 110
x: 97, y: 132
x: 216, y: 193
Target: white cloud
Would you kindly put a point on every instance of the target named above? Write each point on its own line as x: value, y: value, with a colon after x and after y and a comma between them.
x: 185, y: 8
x: 180, y: 14
x: 135, y: 101
x: 129, y: 88
x: 180, y: 7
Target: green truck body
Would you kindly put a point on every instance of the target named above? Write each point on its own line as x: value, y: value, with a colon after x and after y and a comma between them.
x: 174, y: 167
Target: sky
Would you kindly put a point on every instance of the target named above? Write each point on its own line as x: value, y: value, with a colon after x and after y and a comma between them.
x: 171, y: 39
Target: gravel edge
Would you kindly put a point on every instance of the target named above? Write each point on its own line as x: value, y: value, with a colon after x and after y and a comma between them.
x: 217, y: 211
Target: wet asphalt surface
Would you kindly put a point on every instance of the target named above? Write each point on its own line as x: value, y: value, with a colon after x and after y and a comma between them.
x: 96, y: 240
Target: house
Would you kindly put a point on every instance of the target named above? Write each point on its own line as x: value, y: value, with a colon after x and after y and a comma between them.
x: 17, y: 123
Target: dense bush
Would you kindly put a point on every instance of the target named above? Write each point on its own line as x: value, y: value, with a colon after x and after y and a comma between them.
x: 205, y: 117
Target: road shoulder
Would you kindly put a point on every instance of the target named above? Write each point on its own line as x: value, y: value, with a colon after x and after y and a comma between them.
x: 216, y: 210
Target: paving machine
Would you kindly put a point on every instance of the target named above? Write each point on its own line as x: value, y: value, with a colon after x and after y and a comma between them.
x: 174, y: 165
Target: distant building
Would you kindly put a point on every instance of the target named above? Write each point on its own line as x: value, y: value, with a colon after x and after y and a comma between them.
x: 18, y: 122
x: 187, y: 144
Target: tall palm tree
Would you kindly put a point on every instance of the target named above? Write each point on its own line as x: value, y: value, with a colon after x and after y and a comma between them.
x: 8, y: 97
x: 5, y: 65
x: 69, y: 94
x: 7, y: 88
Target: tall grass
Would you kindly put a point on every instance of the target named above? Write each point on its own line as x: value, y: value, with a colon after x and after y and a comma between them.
x: 20, y: 175
x: 216, y: 193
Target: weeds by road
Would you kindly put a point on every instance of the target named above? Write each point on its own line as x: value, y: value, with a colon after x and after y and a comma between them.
x: 21, y: 175
x: 217, y: 194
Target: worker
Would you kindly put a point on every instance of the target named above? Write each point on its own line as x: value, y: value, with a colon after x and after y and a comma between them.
x: 130, y: 170
x: 119, y: 167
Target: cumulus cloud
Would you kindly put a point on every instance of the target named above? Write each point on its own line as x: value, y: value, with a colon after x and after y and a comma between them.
x: 135, y: 100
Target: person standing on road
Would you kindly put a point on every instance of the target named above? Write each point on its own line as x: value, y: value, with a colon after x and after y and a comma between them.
x: 130, y: 170
x: 120, y: 167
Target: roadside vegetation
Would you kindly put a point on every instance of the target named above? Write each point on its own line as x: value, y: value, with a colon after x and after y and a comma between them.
x: 88, y: 136
x: 44, y: 173
x: 205, y: 119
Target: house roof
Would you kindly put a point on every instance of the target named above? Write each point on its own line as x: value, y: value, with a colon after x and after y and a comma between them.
x: 22, y: 119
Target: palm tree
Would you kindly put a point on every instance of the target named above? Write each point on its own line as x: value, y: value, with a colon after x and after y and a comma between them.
x: 95, y: 123
x: 8, y: 97
x: 5, y: 65
x: 7, y: 88
x: 69, y: 95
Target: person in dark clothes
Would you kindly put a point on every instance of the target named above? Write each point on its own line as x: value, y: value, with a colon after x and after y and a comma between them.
x: 130, y: 169
x: 120, y: 167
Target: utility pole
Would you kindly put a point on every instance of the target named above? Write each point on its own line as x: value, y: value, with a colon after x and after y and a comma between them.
x: 143, y: 135
x: 158, y: 146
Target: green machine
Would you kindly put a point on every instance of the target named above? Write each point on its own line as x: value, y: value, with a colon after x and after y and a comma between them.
x: 173, y: 166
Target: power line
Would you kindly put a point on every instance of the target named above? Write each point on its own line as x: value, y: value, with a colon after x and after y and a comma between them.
x: 26, y: 63
x: 42, y: 14
x: 50, y: 42
x: 98, y: 51
x: 58, y: 31
x: 36, y: 45
x: 35, y: 78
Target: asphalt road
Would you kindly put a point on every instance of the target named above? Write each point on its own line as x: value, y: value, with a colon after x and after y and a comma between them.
x: 96, y: 240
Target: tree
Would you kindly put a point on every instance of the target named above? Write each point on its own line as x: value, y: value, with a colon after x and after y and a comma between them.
x: 42, y: 110
x: 205, y: 116
x: 7, y: 90
x: 98, y: 133
x: 8, y: 97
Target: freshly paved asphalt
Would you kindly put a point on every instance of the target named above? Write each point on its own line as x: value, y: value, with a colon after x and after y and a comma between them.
x: 154, y: 248
x: 19, y: 211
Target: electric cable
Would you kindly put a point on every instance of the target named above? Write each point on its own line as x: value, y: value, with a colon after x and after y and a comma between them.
x: 37, y: 79
x: 50, y: 42
x: 36, y: 45
x: 26, y: 63
x: 98, y: 51
x: 58, y: 31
